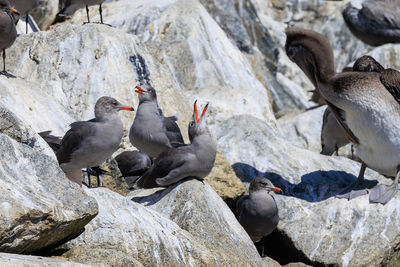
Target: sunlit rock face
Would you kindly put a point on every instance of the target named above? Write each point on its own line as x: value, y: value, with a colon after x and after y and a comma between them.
x: 230, y: 54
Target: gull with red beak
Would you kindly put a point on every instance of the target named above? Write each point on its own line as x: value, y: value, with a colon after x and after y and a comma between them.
x: 89, y: 143
x: 24, y: 7
x: 8, y: 32
x: 192, y: 160
x: 151, y: 132
x: 258, y: 212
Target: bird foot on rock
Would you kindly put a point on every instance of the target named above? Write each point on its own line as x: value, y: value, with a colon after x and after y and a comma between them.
x: 382, y: 193
x: 8, y: 75
x: 357, y: 189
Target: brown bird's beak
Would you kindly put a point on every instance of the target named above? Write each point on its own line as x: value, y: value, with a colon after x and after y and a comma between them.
x: 13, y: 10
x: 277, y: 190
x: 129, y: 108
x: 196, y: 114
x: 140, y: 90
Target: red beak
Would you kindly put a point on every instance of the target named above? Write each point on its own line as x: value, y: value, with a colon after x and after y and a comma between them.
x: 139, y: 90
x: 129, y: 108
x: 13, y: 10
x: 277, y: 190
x: 196, y: 114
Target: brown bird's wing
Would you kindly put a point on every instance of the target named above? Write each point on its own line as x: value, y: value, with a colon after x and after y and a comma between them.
x: 390, y: 78
x: 72, y: 140
x: 383, y: 12
x: 167, y: 161
x: 53, y: 141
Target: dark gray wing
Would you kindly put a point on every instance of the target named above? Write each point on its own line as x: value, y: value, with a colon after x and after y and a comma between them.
x: 133, y: 163
x: 390, y: 78
x: 383, y: 12
x: 73, y: 139
x: 337, y: 113
x: 53, y: 141
x: 167, y: 161
x: 239, y: 205
x: 172, y: 129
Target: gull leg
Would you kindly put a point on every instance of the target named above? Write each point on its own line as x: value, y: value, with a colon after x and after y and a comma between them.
x: 87, y: 14
x: 101, y: 14
x: 383, y: 193
x: 4, y: 72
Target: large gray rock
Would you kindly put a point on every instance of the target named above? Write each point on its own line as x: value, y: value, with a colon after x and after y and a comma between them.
x: 196, y: 208
x: 45, y: 13
x: 326, y: 229
x: 39, y: 207
x: 127, y: 234
x: 15, y: 260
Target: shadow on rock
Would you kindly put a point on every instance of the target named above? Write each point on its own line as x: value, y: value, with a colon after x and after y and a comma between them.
x: 314, y: 186
x: 151, y: 196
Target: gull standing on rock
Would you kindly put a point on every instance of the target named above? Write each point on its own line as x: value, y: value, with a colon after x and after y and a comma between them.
x: 89, y: 143
x: 376, y: 22
x: 70, y: 6
x: 8, y: 32
x: 193, y: 160
x: 366, y: 105
x: 258, y: 212
x: 151, y: 132
x: 24, y: 7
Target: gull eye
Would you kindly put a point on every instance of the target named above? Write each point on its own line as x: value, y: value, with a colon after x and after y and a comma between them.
x: 192, y: 124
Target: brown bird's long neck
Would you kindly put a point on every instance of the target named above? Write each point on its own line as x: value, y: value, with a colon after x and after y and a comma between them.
x: 312, y: 53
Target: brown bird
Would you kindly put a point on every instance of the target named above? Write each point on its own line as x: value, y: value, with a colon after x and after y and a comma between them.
x: 365, y: 104
x: 8, y: 32
x: 376, y: 23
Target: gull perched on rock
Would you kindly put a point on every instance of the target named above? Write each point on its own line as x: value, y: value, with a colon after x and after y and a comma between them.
x: 151, y: 132
x: 24, y: 7
x: 89, y: 143
x: 8, y: 32
x: 193, y: 160
x: 70, y: 6
x: 257, y: 212
x: 366, y: 105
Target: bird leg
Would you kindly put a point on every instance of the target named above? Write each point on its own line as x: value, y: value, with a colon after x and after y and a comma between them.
x: 26, y: 22
x: 383, y: 193
x: 359, y: 187
x: 4, y: 72
x: 101, y: 14
x: 87, y: 14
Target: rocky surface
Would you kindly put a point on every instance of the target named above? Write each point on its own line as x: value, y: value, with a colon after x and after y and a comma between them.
x: 45, y: 13
x: 14, y: 260
x: 40, y: 208
x: 354, y: 232
x: 228, y: 53
x: 128, y: 234
x: 196, y: 208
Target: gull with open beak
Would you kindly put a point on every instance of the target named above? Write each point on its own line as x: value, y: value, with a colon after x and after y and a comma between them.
x: 8, y: 32
x: 151, y: 132
x: 89, y: 143
x: 192, y: 160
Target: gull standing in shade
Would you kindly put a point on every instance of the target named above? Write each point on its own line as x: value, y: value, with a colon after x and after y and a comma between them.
x: 151, y: 132
x: 258, y: 212
x: 193, y: 160
x: 70, y: 6
x: 89, y: 143
x: 366, y: 105
x: 8, y: 32
x: 24, y: 7
x: 132, y: 164
x: 376, y: 22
